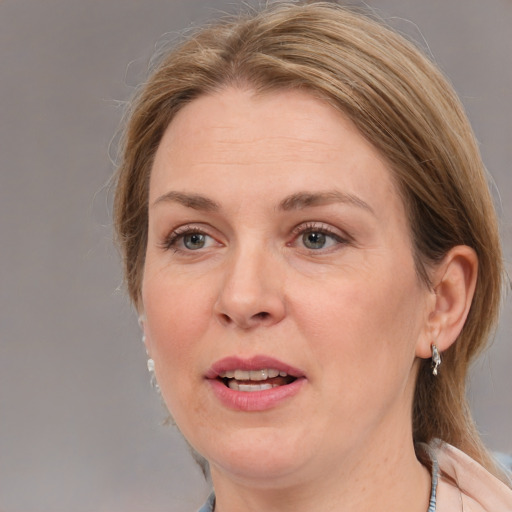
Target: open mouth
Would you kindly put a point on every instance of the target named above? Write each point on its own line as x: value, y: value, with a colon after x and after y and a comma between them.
x: 255, y: 380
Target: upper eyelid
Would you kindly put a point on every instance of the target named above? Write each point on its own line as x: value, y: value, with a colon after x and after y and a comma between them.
x: 320, y: 226
x: 185, y: 229
x: 191, y: 227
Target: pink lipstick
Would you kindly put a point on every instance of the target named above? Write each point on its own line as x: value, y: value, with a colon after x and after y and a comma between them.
x: 254, y: 384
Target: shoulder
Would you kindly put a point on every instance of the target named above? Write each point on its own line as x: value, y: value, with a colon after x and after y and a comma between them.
x: 466, y: 485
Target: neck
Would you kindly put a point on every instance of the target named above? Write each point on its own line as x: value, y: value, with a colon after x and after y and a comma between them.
x: 392, y: 480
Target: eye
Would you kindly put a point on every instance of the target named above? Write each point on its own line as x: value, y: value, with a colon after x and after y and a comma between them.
x: 315, y: 239
x: 318, y: 237
x: 188, y: 238
x: 194, y: 241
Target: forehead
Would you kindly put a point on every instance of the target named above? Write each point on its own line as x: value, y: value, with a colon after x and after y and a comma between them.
x: 241, y: 139
x: 289, y: 113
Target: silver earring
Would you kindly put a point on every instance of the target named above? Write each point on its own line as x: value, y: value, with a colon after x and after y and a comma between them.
x: 151, y: 370
x: 150, y: 361
x: 436, y: 359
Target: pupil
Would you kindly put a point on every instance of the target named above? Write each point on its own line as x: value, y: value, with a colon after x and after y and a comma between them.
x: 314, y: 240
x: 194, y: 241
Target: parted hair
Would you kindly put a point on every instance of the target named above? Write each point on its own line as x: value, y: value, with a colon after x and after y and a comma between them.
x: 399, y: 101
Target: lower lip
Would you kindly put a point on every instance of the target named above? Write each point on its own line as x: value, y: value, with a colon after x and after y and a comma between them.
x: 255, y: 400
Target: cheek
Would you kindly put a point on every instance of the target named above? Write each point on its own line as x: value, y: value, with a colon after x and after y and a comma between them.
x: 177, y: 316
x: 363, y: 341
x: 364, y: 327
x: 175, y: 322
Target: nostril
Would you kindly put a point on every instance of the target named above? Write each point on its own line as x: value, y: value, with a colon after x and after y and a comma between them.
x: 246, y: 321
x: 225, y: 318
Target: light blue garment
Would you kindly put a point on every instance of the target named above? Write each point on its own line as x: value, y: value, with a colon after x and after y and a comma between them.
x: 505, y: 460
x: 209, y: 505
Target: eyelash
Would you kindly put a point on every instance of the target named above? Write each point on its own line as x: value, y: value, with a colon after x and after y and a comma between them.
x: 171, y: 241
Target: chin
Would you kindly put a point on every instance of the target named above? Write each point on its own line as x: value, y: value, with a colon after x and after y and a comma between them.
x: 262, y: 456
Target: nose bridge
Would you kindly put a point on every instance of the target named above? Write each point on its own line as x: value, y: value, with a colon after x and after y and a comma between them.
x: 250, y: 292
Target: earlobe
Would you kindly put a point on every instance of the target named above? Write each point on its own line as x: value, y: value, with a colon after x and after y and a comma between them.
x: 454, y: 281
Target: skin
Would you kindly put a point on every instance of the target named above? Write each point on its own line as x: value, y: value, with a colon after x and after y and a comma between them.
x: 351, y: 315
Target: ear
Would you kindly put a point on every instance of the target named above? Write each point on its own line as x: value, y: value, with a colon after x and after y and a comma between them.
x: 453, y: 281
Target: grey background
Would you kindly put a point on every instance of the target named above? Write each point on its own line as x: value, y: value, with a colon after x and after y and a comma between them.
x: 80, y: 427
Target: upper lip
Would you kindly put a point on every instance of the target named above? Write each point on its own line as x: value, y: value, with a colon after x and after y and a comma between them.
x: 257, y: 362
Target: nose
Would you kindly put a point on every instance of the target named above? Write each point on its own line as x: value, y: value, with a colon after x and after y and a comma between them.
x: 251, y: 291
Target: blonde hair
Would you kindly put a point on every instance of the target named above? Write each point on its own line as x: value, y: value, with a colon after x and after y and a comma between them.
x: 400, y: 102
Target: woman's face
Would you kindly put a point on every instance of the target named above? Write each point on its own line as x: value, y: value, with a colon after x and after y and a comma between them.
x: 283, y: 310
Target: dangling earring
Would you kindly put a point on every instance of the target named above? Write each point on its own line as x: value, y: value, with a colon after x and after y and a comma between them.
x: 436, y: 359
x: 150, y: 362
x: 151, y: 370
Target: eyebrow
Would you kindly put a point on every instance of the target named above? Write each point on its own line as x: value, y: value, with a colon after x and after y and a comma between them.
x: 297, y: 201
x: 194, y: 201
x: 302, y: 200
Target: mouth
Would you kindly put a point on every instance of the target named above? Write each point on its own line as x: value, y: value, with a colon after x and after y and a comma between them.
x: 257, y: 383
x: 257, y: 373
x: 255, y: 380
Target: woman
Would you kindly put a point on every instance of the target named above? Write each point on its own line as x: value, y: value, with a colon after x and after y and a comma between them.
x: 307, y: 233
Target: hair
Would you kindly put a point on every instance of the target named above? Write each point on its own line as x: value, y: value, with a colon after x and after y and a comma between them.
x: 400, y: 102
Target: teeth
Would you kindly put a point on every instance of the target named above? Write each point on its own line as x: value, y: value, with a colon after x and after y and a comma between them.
x: 242, y: 375
x: 233, y: 384
x: 259, y: 375
x: 255, y: 375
